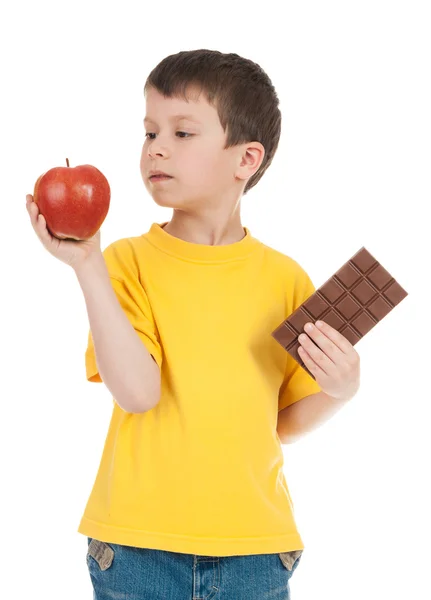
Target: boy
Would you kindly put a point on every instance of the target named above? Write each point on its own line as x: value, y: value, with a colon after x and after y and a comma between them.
x: 190, y: 500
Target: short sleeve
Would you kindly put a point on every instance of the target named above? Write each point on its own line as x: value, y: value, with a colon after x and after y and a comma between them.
x: 134, y: 302
x: 297, y: 383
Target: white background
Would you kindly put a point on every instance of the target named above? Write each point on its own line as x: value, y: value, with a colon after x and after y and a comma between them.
x: 352, y: 170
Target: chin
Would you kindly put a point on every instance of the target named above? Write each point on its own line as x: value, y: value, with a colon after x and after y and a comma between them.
x: 167, y: 202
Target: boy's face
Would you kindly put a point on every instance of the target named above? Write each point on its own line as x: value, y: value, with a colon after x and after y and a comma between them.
x: 203, y: 172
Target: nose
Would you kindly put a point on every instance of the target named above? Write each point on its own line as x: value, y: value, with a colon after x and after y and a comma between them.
x: 153, y: 153
x: 155, y: 148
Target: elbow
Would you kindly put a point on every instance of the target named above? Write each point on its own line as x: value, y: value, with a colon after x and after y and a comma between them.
x: 284, y: 439
x: 148, y: 396
x: 147, y: 404
x: 149, y: 401
x: 137, y: 406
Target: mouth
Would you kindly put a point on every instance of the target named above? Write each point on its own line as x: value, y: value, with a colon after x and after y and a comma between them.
x: 157, y: 178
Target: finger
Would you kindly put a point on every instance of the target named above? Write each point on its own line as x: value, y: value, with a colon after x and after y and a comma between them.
x: 318, y: 356
x: 29, y: 201
x: 324, y: 342
x: 335, y: 336
x: 313, y: 367
x: 33, y: 211
x: 39, y: 223
x: 45, y: 236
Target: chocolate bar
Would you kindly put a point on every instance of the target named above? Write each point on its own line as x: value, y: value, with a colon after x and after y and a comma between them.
x: 352, y: 301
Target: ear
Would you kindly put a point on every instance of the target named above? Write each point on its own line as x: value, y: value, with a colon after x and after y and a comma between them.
x: 251, y: 158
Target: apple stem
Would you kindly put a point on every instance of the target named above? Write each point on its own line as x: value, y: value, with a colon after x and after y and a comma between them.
x: 67, y: 161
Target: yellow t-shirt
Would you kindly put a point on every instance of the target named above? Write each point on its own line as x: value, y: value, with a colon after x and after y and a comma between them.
x: 202, y: 472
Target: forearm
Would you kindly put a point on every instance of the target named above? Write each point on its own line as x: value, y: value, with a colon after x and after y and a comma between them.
x: 125, y: 365
x: 307, y: 414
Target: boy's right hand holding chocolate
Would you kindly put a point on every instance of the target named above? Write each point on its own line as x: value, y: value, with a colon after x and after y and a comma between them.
x: 71, y: 252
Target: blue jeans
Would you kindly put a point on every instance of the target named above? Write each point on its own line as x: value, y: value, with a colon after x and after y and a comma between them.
x: 129, y: 573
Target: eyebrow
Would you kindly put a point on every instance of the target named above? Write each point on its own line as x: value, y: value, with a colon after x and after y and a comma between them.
x: 175, y: 117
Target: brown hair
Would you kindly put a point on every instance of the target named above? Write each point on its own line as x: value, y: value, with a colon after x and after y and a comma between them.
x: 242, y: 93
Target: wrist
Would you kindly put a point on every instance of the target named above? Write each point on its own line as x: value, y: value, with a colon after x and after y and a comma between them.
x: 94, y: 263
x: 344, y: 398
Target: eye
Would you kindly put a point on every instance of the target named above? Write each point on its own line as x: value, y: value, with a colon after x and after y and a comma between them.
x: 183, y: 132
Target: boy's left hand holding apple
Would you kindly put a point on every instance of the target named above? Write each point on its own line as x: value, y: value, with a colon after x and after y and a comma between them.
x: 72, y: 252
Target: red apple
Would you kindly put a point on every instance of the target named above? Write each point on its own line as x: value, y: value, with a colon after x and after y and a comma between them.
x: 73, y: 200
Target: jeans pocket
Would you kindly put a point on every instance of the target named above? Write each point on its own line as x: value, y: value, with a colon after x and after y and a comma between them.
x: 291, y: 559
x: 101, y: 552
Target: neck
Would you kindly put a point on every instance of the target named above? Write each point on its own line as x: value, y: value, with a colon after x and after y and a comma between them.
x: 210, y: 229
